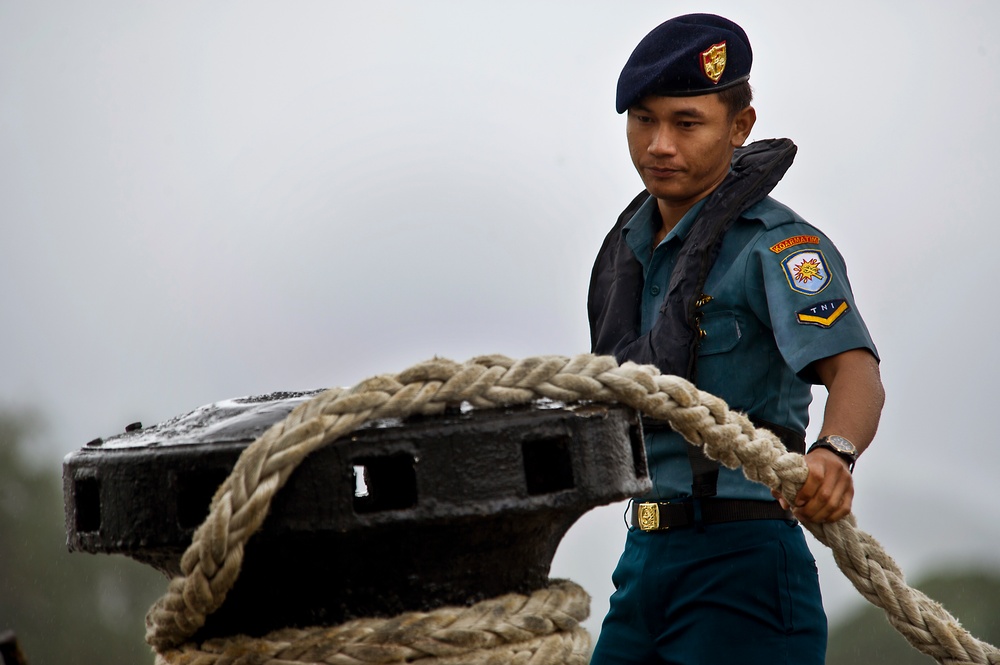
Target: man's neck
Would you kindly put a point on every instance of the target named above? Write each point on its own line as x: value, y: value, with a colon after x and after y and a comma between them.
x: 670, y: 215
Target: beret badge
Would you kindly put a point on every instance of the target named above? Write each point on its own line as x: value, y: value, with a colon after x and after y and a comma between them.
x: 713, y: 61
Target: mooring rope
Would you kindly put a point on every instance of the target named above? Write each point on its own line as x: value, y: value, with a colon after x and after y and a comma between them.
x: 542, y: 628
x: 212, y: 562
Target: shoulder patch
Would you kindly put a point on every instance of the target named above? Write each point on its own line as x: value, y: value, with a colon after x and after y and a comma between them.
x: 793, y: 241
x: 806, y: 271
x: 823, y: 314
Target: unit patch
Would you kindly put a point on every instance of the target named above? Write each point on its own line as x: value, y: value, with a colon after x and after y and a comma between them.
x: 713, y: 61
x: 806, y: 271
x: 823, y: 314
x: 793, y: 241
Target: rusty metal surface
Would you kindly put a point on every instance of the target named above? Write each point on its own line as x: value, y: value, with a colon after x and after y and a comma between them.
x: 397, y: 516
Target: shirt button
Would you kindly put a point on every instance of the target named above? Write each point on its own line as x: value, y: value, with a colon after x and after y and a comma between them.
x: 655, y: 290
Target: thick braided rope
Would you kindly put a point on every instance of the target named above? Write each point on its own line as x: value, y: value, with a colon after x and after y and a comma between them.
x: 542, y: 628
x: 211, y: 564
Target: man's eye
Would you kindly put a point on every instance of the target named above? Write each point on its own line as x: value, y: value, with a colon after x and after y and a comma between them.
x: 687, y: 124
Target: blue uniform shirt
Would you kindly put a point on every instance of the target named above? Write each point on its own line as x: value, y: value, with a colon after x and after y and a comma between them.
x: 780, y: 299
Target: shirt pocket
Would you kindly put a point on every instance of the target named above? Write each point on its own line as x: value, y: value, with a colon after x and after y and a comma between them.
x: 720, y: 333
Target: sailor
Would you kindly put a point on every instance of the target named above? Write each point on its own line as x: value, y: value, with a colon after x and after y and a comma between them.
x: 709, y: 278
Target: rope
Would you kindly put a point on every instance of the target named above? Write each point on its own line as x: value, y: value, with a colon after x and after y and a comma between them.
x: 212, y: 562
x: 540, y: 629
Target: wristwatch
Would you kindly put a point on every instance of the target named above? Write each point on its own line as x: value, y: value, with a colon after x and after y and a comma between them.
x: 840, y: 446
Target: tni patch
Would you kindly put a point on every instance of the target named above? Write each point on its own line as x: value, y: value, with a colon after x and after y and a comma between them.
x: 823, y: 314
x: 806, y: 271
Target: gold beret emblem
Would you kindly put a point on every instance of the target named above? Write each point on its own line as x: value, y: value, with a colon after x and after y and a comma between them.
x: 713, y: 61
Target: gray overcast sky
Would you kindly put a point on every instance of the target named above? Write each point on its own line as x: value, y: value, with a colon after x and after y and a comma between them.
x: 205, y: 200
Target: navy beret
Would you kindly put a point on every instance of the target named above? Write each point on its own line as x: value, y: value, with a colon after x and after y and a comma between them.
x: 696, y: 54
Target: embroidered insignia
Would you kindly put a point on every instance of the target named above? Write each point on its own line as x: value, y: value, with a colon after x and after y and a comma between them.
x: 713, y: 61
x: 793, y: 241
x: 806, y: 271
x: 824, y: 314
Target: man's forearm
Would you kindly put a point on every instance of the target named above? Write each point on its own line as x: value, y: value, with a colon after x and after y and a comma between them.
x: 856, y: 396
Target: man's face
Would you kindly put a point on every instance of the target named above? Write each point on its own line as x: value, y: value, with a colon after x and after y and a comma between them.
x: 682, y: 146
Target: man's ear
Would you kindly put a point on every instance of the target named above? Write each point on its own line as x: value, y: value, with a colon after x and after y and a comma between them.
x: 742, y: 124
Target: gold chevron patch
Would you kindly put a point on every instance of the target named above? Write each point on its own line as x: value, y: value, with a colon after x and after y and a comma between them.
x: 823, y: 314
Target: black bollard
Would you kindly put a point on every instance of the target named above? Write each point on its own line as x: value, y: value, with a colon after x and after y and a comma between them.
x: 397, y: 516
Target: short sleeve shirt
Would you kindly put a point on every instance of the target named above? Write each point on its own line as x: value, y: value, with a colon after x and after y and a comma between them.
x: 779, y: 299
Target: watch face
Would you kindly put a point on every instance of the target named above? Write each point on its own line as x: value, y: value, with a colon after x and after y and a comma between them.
x: 842, y: 444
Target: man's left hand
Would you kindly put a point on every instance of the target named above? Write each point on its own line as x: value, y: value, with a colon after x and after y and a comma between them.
x: 828, y: 492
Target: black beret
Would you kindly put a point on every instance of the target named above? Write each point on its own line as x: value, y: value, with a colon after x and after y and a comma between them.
x: 696, y: 54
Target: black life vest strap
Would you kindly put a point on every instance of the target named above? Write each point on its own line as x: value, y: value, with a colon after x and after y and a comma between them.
x: 705, y: 471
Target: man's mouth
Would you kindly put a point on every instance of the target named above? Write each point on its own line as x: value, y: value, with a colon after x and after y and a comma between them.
x: 661, y: 171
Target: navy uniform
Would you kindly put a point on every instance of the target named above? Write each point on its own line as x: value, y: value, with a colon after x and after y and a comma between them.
x: 726, y: 576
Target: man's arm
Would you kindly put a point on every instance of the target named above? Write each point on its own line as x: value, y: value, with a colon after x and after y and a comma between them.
x: 852, y: 410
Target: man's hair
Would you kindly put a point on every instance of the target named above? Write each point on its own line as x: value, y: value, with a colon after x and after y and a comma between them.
x: 736, y: 98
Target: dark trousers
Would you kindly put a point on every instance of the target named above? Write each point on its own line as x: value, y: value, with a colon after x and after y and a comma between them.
x: 740, y: 592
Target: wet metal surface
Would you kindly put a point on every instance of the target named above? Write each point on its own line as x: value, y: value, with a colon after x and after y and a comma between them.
x: 397, y: 516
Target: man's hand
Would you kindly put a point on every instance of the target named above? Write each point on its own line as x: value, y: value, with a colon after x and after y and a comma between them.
x: 828, y: 492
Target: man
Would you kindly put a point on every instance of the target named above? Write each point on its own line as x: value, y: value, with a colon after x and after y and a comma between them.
x: 707, y: 277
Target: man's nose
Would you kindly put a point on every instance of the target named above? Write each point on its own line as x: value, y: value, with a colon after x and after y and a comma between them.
x: 662, y: 142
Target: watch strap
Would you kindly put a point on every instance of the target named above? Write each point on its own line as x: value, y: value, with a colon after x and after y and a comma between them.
x: 850, y: 458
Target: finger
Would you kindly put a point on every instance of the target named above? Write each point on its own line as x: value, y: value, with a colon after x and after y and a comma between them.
x: 832, y: 500
x: 812, y: 485
x: 821, y: 505
x: 846, y: 502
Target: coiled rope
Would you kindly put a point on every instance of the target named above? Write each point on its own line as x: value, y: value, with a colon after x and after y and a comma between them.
x: 523, y: 633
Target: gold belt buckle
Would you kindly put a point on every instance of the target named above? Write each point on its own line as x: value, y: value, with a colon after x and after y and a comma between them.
x: 649, y: 516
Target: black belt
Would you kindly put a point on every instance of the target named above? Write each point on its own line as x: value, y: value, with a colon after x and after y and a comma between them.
x: 659, y: 516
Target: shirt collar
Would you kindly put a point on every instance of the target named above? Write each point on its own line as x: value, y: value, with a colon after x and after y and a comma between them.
x: 639, y: 231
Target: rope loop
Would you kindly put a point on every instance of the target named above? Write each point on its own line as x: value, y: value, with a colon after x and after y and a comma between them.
x: 542, y: 628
